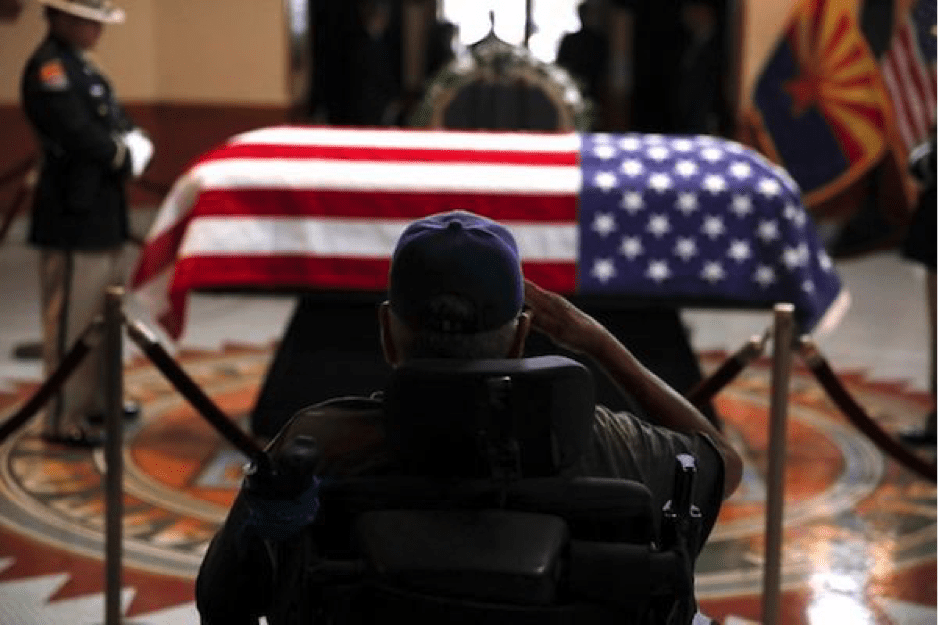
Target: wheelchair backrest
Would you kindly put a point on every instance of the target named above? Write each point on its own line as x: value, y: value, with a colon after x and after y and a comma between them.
x: 530, y: 416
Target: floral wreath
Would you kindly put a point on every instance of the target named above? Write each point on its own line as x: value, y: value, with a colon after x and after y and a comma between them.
x: 495, y: 60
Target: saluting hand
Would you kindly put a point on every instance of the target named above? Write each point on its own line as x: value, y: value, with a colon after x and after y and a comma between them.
x: 573, y: 329
x: 565, y: 324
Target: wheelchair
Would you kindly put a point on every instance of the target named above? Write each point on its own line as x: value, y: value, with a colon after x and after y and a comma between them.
x: 480, y: 521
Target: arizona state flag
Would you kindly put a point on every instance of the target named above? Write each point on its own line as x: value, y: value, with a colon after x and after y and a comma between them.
x: 820, y: 106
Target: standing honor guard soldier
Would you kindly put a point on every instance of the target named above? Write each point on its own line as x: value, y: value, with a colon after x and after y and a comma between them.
x: 90, y: 148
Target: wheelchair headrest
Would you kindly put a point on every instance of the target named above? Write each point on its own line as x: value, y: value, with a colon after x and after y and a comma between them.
x: 449, y: 417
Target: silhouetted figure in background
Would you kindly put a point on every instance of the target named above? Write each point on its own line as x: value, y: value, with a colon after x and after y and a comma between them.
x: 698, y: 86
x: 374, y: 82
x: 657, y: 54
x: 356, y: 74
x: 585, y: 52
x: 440, y: 46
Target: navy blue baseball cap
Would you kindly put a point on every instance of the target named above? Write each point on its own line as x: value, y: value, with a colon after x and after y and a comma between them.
x: 459, y: 256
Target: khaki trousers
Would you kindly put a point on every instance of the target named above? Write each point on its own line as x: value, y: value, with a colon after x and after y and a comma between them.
x: 72, y: 289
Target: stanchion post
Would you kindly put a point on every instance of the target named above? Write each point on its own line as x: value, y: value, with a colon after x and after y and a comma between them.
x: 782, y: 337
x: 113, y: 450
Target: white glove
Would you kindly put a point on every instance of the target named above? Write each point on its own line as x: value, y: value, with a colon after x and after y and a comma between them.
x: 141, y: 151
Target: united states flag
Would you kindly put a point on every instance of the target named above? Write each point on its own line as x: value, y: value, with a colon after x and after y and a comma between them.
x: 704, y: 218
x: 908, y: 69
x: 310, y: 208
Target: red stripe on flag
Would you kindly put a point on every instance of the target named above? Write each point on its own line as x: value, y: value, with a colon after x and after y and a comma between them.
x: 291, y: 274
x: 391, y: 154
x: 267, y: 274
x: 930, y: 79
x: 909, y: 85
x: 159, y: 254
x: 554, y: 276
x: 932, y: 86
x: 918, y: 91
x: 174, y: 319
x: 315, y: 273
x: 286, y: 273
x: 899, y: 103
x: 376, y: 205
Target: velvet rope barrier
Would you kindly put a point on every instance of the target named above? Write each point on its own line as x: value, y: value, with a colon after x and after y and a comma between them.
x: 707, y: 388
x: 825, y: 375
x: 13, y: 210
x: 23, y: 172
x: 54, y: 382
x: 195, y: 395
x: 167, y: 366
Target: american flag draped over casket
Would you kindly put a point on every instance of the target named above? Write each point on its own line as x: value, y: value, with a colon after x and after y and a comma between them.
x: 691, y: 220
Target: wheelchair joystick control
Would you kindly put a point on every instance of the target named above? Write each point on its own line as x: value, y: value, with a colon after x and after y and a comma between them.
x: 280, y: 494
x: 679, y: 512
x: 684, y: 478
x: 291, y: 471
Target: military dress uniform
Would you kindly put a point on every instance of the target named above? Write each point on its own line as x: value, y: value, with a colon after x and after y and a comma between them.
x: 79, y: 215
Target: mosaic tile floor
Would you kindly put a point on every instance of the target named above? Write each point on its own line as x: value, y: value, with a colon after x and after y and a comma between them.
x: 860, y: 530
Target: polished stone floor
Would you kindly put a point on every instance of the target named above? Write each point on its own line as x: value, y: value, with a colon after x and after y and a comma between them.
x: 859, y: 528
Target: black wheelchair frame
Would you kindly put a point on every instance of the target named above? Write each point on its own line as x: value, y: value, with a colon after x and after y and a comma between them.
x: 479, y: 524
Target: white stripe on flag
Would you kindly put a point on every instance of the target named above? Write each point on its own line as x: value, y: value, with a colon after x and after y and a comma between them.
x: 176, y: 205
x: 339, y: 175
x: 412, y: 139
x: 910, y: 91
x: 923, y: 77
x: 899, y: 112
x: 347, y: 238
x: 911, y: 86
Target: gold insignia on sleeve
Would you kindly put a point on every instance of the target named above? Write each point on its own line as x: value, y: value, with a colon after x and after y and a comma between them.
x: 52, y: 75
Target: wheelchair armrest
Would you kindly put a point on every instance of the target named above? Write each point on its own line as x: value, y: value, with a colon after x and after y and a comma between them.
x: 485, y: 555
x: 595, y: 508
x: 624, y: 574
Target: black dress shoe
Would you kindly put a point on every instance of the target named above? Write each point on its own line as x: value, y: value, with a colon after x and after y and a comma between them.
x: 924, y: 436
x: 132, y: 409
x: 919, y: 438
x: 131, y: 412
x: 81, y: 439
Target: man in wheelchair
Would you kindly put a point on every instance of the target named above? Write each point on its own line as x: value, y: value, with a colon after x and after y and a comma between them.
x: 480, y: 486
